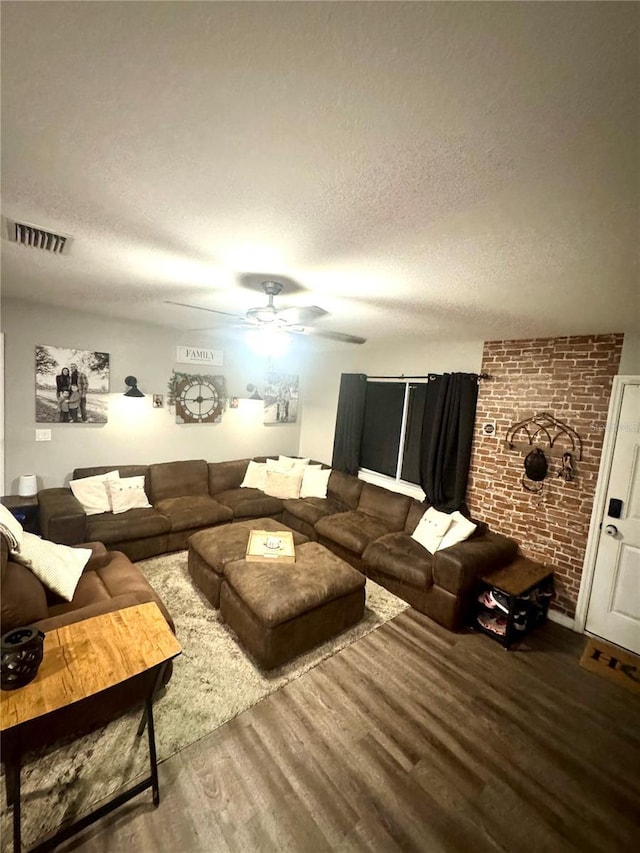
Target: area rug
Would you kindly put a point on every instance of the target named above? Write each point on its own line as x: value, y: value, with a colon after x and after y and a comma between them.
x: 613, y: 663
x: 213, y: 681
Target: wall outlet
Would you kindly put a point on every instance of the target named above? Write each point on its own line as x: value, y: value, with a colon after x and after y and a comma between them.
x: 43, y: 435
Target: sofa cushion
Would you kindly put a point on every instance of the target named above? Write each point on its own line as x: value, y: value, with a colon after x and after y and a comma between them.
x: 344, y: 489
x: 119, y: 579
x: 398, y: 556
x: 390, y: 507
x: 193, y: 511
x: 353, y: 530
x: 224, y: 476
x: 249, y: 503
x: 177, y: 479
x: 132, y: 524
x: 312, y: 510
x: 416, y: 511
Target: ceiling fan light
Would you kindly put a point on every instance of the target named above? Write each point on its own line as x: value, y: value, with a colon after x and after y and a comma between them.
x: 269, y: 341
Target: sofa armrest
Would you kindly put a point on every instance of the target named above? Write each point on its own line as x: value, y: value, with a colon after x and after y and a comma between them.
x: 62, y: 518
x: 110, y: 605
x: 456, y: 568
x: 99, y: 558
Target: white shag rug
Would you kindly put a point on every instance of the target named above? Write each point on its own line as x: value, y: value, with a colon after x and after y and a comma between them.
x: 213, y: 681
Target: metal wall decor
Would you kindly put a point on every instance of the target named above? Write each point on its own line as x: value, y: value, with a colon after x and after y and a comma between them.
x: 539, y: 436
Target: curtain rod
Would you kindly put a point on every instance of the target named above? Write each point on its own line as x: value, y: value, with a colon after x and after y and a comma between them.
x: 402, y: 376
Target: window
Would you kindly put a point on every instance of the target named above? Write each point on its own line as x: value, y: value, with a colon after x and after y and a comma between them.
x: 392, y: 429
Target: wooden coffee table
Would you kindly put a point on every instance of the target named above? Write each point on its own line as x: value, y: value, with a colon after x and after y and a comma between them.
x: 81, y: 660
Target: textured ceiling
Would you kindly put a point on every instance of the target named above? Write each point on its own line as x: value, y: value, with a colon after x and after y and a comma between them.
x: 465, y: 170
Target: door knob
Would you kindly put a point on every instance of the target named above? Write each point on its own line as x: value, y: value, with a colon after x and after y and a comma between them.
x: 611, y: 530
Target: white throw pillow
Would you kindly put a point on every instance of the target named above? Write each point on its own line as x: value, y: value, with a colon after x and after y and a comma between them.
x: 283, y: 485
x: 11, y: 527
x: 291, y: 463
x: 58, y: 566
x: 127, y: 493
x: 459, y: 530
x: 255, y: 476
x: 431, y: 529
x: 92, y: 492
x: 314, y: 482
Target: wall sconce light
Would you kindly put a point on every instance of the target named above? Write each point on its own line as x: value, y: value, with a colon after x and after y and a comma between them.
x: 253, y: 390
x: 133, y: 390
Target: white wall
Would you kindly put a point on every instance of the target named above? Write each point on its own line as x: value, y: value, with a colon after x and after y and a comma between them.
x: 135, y: 432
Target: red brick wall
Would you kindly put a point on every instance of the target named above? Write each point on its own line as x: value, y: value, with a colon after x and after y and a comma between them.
x: 569, y: 378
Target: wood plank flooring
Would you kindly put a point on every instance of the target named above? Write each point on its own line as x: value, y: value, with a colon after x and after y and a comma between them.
x: 411, y: 739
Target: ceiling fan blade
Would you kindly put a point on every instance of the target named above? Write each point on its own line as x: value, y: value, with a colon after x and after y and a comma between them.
x: 202, y: 308
x: 326, y: 333
x: 301, y: 316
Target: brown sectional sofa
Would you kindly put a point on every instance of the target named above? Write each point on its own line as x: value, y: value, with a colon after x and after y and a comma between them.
x: 366, y: 525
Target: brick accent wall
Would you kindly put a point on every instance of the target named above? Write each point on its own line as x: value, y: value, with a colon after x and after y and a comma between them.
x: 569, y: 378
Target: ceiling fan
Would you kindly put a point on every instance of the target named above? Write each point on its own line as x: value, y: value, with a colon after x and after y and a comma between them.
x: 292, y: 319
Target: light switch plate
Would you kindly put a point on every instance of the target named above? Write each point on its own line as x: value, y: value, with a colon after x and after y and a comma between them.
x: 43, y: 435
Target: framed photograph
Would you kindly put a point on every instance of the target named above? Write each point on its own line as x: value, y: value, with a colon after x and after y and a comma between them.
x: 71, y: 385
x: 281, y: 395
x: 158, y: 401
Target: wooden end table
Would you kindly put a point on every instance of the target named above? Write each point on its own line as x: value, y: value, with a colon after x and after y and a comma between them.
x: 27, y: 510
x: 79, y: 661
x: 526, y: 588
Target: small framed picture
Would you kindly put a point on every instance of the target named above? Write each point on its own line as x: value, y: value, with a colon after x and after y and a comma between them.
x: 233, y: 403
x: 158, y: 401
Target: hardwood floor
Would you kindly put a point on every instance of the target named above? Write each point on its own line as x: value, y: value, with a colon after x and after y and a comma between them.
x: 411, y: 739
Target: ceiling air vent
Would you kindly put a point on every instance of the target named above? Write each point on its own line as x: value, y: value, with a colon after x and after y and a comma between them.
x: 38, y: 238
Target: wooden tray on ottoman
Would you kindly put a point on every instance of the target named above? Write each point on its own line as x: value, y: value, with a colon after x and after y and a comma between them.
x: 257, y: 550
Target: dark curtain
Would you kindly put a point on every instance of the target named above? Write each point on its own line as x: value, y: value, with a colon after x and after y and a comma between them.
x: 349, y: 422
x: 447, y: 434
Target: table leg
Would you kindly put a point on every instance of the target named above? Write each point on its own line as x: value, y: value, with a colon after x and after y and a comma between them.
x: 156, y: 688
x: 155, y: 787
x: 13, y: 798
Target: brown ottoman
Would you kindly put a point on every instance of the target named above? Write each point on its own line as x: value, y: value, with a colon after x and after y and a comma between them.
x: 211, y: 550
x: 280, y: 610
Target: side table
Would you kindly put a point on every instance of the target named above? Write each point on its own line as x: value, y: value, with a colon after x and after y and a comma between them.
x: 26, y: 510
x: 81, y: 660
x: 513, y: 600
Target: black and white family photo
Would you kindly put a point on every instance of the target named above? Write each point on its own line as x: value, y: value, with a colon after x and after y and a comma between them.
x: 71, y: 385
x: 281, y: 398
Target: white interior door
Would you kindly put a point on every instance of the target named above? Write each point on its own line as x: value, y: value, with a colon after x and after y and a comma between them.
x: 614, y: 604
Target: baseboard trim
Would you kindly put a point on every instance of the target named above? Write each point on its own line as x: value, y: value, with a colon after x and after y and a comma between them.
x: 562, y: 619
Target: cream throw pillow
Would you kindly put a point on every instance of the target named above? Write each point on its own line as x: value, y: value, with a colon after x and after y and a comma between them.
x: 127, y: 493
x: 92, y: 492
x: 255, y: 476
x: 431, y: 529
x: 314, y: 482
x: 291, y: 463
x: 57, y: 566
x: 459, y: 530
x: 283, y: 485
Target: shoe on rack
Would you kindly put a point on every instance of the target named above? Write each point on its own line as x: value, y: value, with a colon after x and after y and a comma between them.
x: 499, y: 600
x: 495, y: 624
x: 520, y: 620
x: 485, y: 599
